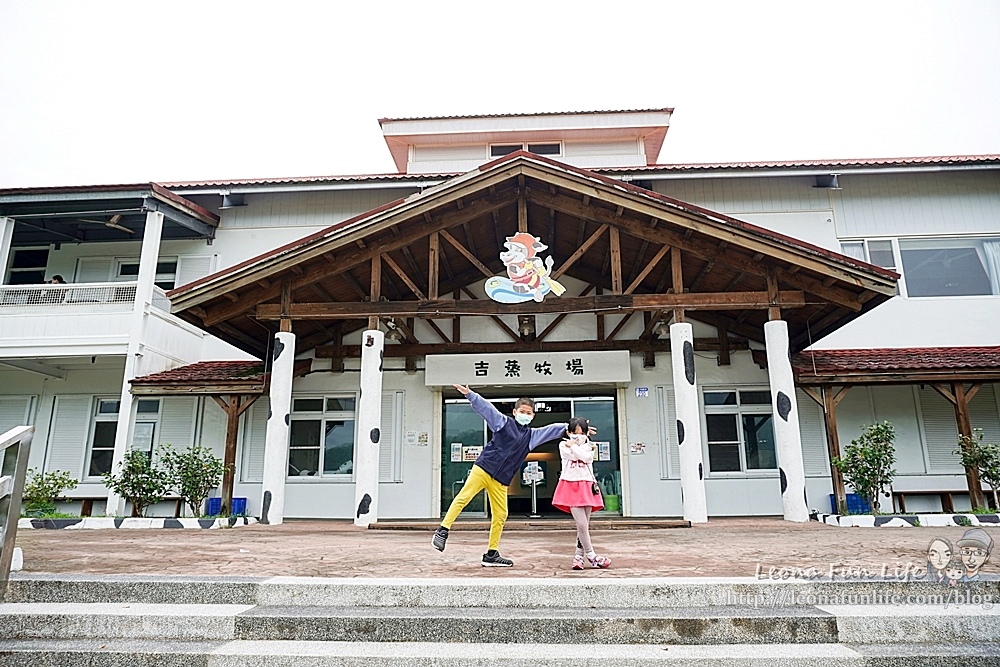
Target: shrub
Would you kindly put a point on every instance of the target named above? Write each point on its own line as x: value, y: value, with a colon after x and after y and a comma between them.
x: 42, y: 489
x: 983, y: 457
x: 139, y: 481
x: 867, y: 462
x: 192, y: 473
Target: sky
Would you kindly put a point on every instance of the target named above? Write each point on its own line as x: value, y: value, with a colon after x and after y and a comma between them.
x: 132, y: 92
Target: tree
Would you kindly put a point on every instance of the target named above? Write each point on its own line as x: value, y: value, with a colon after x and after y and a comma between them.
x: 867, y: 462
x: 981, y: 456
x: 139, y: 481
x: 192, y: 473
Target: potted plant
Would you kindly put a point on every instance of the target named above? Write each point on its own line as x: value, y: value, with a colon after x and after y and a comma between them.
x: 139, y: 481
x: 42, y: 489
x: 193, y: 473
x: 867, y: 462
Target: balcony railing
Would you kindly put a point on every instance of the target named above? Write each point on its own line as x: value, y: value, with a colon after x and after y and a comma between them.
x: 18, y: 296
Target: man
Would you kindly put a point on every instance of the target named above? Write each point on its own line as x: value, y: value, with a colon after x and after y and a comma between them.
x: 496, y: 466
x: 974, y: 547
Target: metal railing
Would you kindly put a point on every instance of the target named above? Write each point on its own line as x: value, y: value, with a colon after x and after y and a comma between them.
x: 14, y: 447
x: 70, y: 294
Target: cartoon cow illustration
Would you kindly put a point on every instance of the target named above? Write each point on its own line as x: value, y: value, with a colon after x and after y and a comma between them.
x: 525, y: 268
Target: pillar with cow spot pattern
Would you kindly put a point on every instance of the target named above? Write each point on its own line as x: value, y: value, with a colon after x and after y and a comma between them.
x: 689, y: 444
x: 369, y: 429
x: 278, y: 425
x: 787, y: 437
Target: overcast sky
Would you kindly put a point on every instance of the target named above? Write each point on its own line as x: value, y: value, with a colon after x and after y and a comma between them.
x: 126, y: 92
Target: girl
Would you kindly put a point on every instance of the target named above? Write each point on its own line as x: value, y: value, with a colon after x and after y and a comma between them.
x: 577, y: 491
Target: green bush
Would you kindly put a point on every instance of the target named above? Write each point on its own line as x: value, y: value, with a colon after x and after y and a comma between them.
x: 42, y: 489
x: 139, y: 481
x: 867, y: 462
x: 192, y: 473
x: 983, y: 457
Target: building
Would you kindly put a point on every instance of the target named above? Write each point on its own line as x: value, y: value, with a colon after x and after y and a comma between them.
x: 878, y: 275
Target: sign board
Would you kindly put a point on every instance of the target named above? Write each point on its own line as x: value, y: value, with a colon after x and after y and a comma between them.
x: 603, y: 450
x: 528, y: 368
x: 471, y: 453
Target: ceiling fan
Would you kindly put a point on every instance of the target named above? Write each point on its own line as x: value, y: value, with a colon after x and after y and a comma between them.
x: 113, y: 223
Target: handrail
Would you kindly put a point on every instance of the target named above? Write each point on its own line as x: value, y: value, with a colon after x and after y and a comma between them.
x: 15, y: 445
x: 68, y: 294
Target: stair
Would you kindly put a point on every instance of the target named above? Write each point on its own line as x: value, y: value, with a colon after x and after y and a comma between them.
x: 116, y: 621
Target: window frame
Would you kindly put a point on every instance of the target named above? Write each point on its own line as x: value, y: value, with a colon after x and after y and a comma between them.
x: 903, y: 289
x: 163, y: 280
x: 523, y: 146
x: 323, y: 416
x: 739, y: 410
x: 96, y: 416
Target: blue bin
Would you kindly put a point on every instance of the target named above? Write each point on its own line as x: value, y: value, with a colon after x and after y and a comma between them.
x: 855, y: 504
x: 214, y: 507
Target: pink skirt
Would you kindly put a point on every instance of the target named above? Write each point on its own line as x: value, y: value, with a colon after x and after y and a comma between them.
x: 576, y: 494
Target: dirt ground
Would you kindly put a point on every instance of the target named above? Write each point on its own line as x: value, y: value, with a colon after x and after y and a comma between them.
x: 722, y: 547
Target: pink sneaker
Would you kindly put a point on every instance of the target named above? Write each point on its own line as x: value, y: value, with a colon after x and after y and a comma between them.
x: 577, y: 562
x: 599, y: 562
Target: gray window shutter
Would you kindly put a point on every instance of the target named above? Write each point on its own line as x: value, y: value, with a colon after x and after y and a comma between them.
x: 177, y: 421
x: 940, y: 432
x: 93, y: 270
x: 983, y: 413
x: 390, y: 438
x: 193, y: 267
x: 68, y: 433
x: 14, y: 411
x: 254, y: 432
x: 670, y: 460
x: 814, y: 452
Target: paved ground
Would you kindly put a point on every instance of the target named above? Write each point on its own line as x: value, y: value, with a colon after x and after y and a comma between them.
x: 723, y: 547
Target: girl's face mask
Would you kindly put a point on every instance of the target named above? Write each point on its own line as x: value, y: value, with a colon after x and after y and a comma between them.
x: 522, y: 418
x: 578, y: 438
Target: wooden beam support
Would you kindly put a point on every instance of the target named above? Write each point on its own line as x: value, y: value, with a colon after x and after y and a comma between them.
x: 677, y: 279
x: 433, y: 252
x: 496, y: 318
x: 616, y: 262
x: 443, y: 308
x: 522, y: 213
x: 723, y: 334
x: 600, y: 318
x: 773, y: 311
x: 456, y: 322
x: 621, y: 324
x: 402, y: 276
x: 965, y: 430
x: 465, y: 253
x: 285, y: 323
x: 636, y: 346
x: 829, y: 402
x: 554, y: 323
x: 646, y: 271
x: 583, y: 248
x: 375, y: 294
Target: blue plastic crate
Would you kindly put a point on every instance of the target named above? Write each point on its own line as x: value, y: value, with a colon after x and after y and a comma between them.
x: 214, y: 507
x: 855, y: 504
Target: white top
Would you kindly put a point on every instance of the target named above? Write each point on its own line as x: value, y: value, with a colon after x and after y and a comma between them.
x: 577, y: 454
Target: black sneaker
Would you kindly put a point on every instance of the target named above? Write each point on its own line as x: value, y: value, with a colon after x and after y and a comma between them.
x: 494, y: 559
x: 440, y: 537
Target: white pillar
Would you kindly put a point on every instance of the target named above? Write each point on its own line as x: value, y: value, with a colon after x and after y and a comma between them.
x: 148, y: 256
x: 787, y: 438
x: 272, y: 502
x: 6, y: 235
x: 369, y: 429
x: 688, y: 423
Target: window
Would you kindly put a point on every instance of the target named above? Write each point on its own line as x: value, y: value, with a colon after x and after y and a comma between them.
x: 27, y: 266
x: 739, y: 428
x: 321, y: 441
x: 499, y: 150
x: 936, y: 266
x: 951, y: 267
x: 102, y: 440
x: 166, y: 272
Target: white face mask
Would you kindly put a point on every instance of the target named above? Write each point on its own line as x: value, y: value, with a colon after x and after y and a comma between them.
x: 578, y: 438
x: 523, y: 419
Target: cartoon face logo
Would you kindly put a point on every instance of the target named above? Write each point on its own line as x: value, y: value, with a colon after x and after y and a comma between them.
x: 954, y: 571
x: 939, y: 553
x: 528, y: 277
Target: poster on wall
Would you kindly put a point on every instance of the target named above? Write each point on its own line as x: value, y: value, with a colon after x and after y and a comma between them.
x: 471, y: 453
x: 456, y: 452
x: 603, y: 451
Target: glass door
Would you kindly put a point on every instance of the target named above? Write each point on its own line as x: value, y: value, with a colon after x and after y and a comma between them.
x: 464, y: 438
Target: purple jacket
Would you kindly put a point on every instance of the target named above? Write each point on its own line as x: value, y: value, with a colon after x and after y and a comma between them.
x: 505, y: 452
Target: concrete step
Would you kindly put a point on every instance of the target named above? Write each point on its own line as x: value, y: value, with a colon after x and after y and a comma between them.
x: 128, y: 653
x: 591, y: 589
x: 876, y: 624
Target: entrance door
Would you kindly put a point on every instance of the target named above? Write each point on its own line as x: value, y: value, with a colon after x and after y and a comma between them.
x: 465, y: 433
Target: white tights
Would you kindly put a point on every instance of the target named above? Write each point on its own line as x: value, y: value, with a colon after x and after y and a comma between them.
x: 581, y: 515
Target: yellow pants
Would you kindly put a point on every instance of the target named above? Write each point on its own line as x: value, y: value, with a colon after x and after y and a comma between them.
x: 497, y: 493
